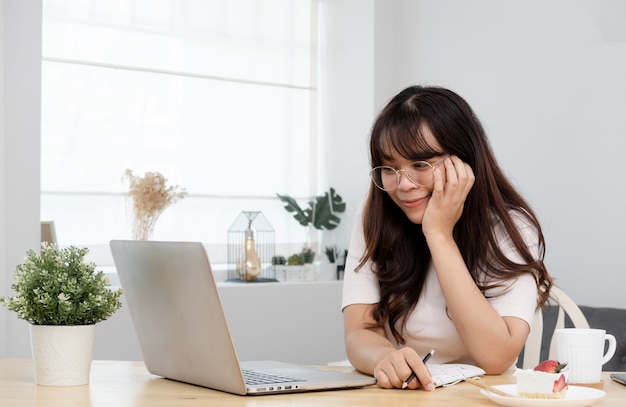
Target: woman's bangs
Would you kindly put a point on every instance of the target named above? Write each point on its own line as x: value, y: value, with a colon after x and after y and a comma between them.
x: 409, y: 143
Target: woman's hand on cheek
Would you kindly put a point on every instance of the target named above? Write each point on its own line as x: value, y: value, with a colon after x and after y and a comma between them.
x: 452, y: 184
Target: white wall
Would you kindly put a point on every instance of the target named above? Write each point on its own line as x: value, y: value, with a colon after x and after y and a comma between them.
x: 4, y: 279
x: 347, y: 103
x: 20, y: 61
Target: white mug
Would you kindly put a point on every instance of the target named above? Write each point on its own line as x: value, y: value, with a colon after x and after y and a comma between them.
x: 583, y: 351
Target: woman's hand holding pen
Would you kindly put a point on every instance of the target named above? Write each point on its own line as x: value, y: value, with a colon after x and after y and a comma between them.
x: 399, y: 365
x: 413, y: 375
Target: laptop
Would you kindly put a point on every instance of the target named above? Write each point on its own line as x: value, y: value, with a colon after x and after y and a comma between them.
x: 182, y: 329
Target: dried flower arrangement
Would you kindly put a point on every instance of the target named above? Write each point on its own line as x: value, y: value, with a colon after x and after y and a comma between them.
x: 151, y: 196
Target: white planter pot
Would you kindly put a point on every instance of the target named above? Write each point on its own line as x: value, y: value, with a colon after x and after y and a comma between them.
x: 62, y: 354
x: 295, y: 273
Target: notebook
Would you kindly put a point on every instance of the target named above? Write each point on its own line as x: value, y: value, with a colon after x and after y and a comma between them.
x: 451, y: 374
x: 182, y: 330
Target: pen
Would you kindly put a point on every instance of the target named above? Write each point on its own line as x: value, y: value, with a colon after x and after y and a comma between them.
x: 412, y: 376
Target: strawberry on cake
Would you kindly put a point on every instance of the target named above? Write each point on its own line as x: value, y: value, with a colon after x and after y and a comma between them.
x: 548, y: 380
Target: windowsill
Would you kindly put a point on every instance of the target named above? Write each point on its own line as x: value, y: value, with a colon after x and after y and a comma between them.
x: 220, y: 274
x: 282, y: 283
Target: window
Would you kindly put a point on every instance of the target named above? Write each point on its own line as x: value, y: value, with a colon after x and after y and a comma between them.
x: 218, y: 96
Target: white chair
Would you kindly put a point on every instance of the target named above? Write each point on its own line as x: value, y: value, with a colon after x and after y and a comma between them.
x: 532, y: 349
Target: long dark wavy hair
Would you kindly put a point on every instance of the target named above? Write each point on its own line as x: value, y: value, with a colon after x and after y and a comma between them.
x: 397, y: 247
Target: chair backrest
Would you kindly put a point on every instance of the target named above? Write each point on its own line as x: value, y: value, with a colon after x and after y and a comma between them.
x: 532, y: 349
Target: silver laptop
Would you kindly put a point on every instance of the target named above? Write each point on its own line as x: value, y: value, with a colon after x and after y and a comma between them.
x: 182, y: 329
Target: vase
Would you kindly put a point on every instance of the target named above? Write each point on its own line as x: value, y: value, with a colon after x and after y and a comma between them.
x: 326, y: 271
x: 62, y: 354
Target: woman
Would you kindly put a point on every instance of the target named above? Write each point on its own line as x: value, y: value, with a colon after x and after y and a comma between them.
x: 446, y: 254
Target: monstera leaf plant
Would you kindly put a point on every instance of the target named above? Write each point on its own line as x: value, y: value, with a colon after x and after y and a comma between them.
x: 321, y: 212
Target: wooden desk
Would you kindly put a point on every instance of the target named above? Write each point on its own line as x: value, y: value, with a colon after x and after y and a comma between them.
x: 122, y: 384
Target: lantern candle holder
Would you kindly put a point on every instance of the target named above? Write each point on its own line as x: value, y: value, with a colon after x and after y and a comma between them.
x: 251, y: 247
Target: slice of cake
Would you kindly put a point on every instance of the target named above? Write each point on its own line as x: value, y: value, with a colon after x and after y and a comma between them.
x: 548, y: 380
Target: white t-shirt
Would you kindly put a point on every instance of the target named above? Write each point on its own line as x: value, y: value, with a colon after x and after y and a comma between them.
x: 429, y: 326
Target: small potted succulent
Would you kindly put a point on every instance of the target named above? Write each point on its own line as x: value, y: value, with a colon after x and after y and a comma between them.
x: 332, y: 254
x: 337, y: 260
x: 297, y: 267
x: 62, y: 296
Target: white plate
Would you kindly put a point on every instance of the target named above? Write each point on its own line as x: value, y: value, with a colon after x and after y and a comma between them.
x: 576, y: 396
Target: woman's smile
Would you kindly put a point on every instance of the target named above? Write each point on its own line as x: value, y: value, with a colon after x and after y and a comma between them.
x: 413, y: 203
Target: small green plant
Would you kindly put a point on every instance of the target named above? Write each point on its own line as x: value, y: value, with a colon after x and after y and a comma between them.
x: 304, y: 257
x: 279, y: 260
x: 57, y: 287
x: 295, y: 260
x: 308, y: 255
x: 332, y: 253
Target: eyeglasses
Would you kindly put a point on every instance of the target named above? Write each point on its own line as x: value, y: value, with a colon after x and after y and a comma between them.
x: 420, y: 173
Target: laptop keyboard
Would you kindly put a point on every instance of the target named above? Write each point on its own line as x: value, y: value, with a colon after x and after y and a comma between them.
x: 253, y: 377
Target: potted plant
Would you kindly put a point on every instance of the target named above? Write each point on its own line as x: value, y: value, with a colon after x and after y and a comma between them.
x: 332, y: 253
x: 321, y: 213
x: 62, y: 297
x: 297, y: 267
x: 336, y: 259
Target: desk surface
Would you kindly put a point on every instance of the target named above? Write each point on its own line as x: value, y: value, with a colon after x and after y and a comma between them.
x: 122, y: 384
